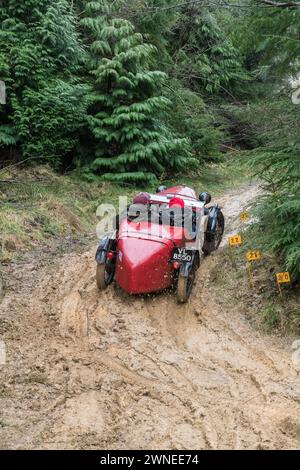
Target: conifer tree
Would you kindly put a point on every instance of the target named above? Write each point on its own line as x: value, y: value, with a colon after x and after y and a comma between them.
x: 207, y: 59
x: 39, y: 57
x: 126, y: 107
x: 276, y: 162
x: 268, y: 38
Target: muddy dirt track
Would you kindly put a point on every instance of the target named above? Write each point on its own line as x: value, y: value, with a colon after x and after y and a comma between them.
x: 90, y: 370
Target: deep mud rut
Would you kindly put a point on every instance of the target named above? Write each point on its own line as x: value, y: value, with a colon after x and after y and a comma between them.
x: 90, y: 370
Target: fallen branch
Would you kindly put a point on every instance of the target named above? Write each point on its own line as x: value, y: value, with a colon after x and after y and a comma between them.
x: 25, y: 182
x: 271, y: 3
x: 13, y: 165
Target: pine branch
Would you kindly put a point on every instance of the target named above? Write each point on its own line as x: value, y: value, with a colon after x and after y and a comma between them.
x: 224, y: 4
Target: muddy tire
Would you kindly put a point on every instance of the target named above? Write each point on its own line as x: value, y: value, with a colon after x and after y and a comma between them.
x: 103, y: 278
x: 220, y: 230
x: 182, y: 290
x: 185, y: 286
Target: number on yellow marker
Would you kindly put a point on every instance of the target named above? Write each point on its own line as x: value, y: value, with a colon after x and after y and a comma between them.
x: 236, y: 240
x: 244, y: 216
x: 283, y: 278
x: 253, y: 255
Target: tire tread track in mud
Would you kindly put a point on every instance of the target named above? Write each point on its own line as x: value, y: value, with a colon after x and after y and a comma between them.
x: 91, y: 370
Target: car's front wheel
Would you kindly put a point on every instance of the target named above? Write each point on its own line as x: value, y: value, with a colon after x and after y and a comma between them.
x: 185, y: 285
x: 104, y: 277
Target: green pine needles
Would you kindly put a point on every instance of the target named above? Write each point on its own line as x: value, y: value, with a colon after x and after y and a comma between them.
x: 277, y: 164
x: 40, y: 54
x: 279, y: 211
x: 126, y: 107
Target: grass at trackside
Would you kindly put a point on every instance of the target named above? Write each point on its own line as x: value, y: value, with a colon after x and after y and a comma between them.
x: 260, y: 303
x: 39, y: 205
x: 218, y: 177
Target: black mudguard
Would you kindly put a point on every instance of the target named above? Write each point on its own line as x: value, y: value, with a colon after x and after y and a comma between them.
x: 186, y: 267
x: 212, y: 224
x: 106, y: 244
x: 210, y: 235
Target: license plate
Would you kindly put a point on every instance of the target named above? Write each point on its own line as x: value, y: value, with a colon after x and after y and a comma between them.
x: 182, y: 255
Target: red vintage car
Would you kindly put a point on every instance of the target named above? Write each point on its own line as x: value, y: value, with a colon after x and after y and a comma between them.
x: 159, y: 241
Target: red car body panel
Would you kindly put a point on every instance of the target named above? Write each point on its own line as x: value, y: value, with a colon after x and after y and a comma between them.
x: 143, y: 258
x: 143, y: 265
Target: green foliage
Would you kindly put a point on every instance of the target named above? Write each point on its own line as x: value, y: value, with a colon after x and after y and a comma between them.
x: 192, y: 118
x: 55, y: 109
x: 155, y: 20
x: 126, y: 108
x: 39, y: 53
x: 138, y: 123
x: 197, y: 52
x: 7, y: 135
x: 206, y: 57
x: 268, y: 38
x: 276, y: 161
x: 279, y: 211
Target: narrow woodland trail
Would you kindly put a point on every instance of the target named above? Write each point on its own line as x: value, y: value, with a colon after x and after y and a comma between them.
x: 90, y: 370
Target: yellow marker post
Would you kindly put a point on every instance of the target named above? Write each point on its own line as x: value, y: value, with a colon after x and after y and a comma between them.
x: 250, y: 257
x: 253, y: 256
x: 235, y: 240
x: 282, y: 278
x: 244, y: 216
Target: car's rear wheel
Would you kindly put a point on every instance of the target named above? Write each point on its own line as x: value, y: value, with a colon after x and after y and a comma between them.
x: 185, y: 285
x: 103, y: 277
